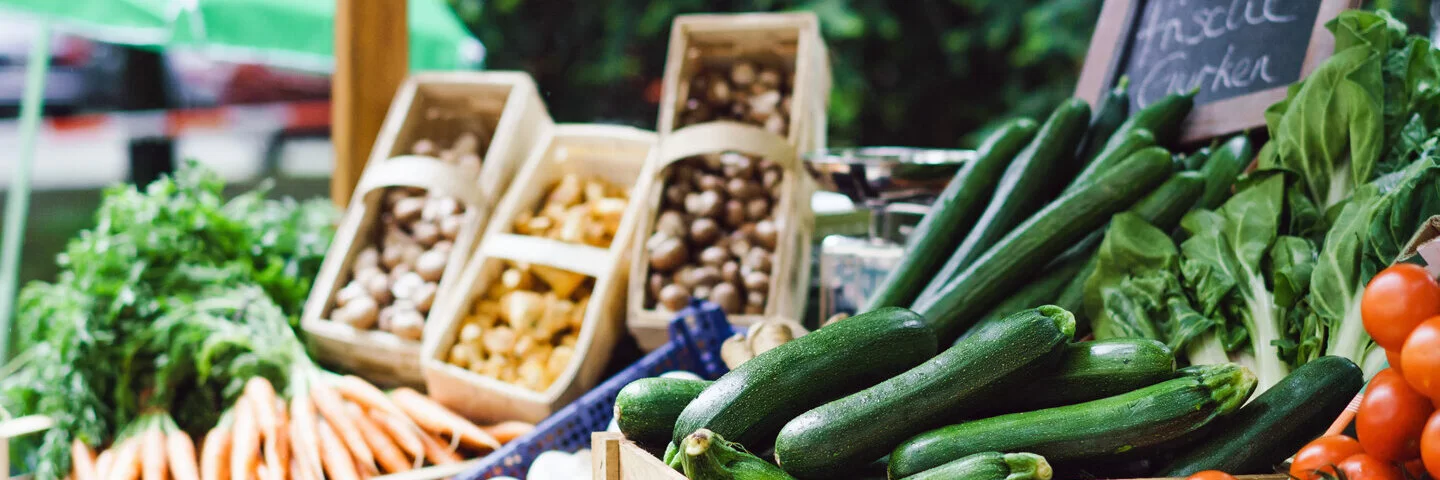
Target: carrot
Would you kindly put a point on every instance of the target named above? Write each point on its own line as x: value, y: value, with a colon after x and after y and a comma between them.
x: 127, y: 461
x: 245, y: 446
x: 215, y: 454
x: 104, y: 462
x: 181, y: 452
x: 403, y: 432
x: 437, y: 451
x: 152, y: 453
x: 333, y: 409
x: 391, y: 459
x: 338, y: 462
x: 277, y: 445
x: 505, y: 432
x: 82, y: 460
x: 300, y: 473
x: 259, y: 389
x: 365, y: 394
x: 437, y: 419
x: 305, y: 442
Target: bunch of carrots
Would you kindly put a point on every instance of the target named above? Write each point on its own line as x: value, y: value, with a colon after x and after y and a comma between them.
x: 335, y: 427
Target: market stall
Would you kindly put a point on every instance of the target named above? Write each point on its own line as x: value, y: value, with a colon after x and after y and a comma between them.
x: 1210, y: 263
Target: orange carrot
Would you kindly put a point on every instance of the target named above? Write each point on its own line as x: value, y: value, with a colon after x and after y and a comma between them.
x: 437, y: 419
x: 127, y: 460
x: 402, y: 431
x: 300, y: 473
x: 437, y: 451
x: 338, y: 462
x: 152, y: 453
x: 333, y: 409
x: 277, y: 445
x: 82, y: 460
x: 365, y: 394
x: 245, y: 446
x: 263, y: 473
x: 104, y: 462
x: 505, y: 432
x: 259, y: 389
x: 391, y: 459
x: 181, y: 452
x: 215, y: 454
x: 305, y: 442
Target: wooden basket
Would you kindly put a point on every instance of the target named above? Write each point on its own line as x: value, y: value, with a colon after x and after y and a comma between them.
x: 440, y: 105
x: 795, y: 224
x: 791, y: 40
x: 503, y: 103
x: 623, y: 156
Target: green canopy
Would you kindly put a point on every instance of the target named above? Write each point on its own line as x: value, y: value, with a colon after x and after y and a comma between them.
x: 284, y: 33
x: 300, y: 33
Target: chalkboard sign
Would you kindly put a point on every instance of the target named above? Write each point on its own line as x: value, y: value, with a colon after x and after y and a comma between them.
x: 1240, y: 54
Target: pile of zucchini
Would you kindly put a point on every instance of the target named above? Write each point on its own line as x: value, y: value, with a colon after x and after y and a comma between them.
x: 956, y: 370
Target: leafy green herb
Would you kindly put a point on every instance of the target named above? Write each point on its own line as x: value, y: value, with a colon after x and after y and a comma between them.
x: 167, y: 303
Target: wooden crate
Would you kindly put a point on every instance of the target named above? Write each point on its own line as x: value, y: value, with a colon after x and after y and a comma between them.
x: 621, y: 155
x: 795, y: 224
x: 441, y: 105
x: 506, y: 105
x: 789, y: 40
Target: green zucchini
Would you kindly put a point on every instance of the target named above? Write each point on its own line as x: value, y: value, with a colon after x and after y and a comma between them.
x: 1196, y: 160
x: 1019, y: 255
x: 1115, y: 152
x: 1163, y: 208
x: 1092, y: 371
x: 991, y: 466
x: 1022, y: 190
x: 646, y: 409
x: 750, y: 403
x: 851, y: 432
x: 1041, y: 291
x: 952, y: 215
x: 1163, y: 118
x: 1109, y: 114
x: 1225, y: 165
x: 1143, y: 418
x: 706, y: 455
x: 1277, y: 423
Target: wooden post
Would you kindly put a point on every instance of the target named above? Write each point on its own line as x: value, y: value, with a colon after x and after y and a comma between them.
x: 372, y: 57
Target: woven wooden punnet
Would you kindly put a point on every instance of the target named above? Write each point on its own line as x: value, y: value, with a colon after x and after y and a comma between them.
x: 794, y: 222
x: 620, y: 155
x: 789, y: 41
x: 504, y: 111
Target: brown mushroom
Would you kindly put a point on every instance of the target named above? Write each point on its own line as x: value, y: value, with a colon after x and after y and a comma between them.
x: 674, y: 297
x: 668, y: 255
x: 704, y: 231
x: 727, y: 297
x: 766, y: 235
x: 714, y: 256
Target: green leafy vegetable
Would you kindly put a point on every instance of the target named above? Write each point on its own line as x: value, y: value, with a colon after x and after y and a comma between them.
x: 171, y: 299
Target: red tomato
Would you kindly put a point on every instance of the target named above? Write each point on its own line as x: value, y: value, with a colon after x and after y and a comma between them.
x: 1210, y: 475
x: 1420, y: 360
x: 1430, y: 446
x: 1396, y: 300
x: 1392, y: 357
x: 1363, y: 466
x: 1391, y: 417
x: 1322, y: 454
x: 1413, y: 469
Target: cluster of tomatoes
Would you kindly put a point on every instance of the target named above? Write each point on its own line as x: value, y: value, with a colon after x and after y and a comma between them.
x: 1397, y: 428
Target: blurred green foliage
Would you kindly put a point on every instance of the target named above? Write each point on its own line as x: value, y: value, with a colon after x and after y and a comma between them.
x: 906, y: 72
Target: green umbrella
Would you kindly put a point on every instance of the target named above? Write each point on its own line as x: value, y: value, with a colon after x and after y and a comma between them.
x: 299, y: 33
x: 287, y: 33
x: 129, y: 22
